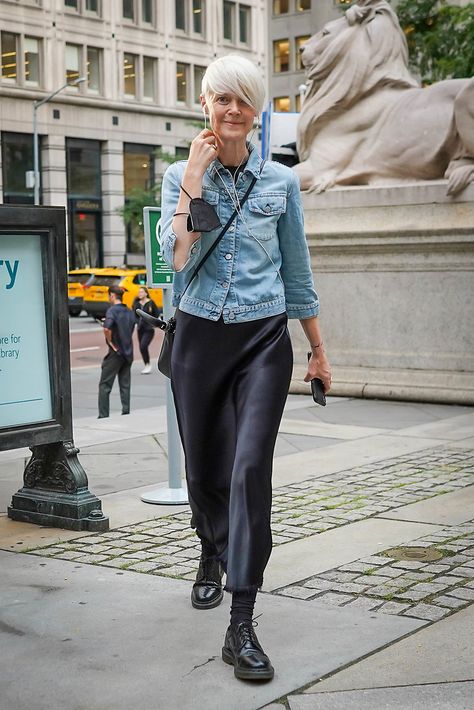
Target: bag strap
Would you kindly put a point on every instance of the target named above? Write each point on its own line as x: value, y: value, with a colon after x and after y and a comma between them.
x: 218, y: 239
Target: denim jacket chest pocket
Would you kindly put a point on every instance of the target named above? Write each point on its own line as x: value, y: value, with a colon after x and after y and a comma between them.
x: 265, y: 210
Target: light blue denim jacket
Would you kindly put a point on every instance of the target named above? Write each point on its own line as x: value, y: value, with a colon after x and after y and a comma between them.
x: 239, y: 281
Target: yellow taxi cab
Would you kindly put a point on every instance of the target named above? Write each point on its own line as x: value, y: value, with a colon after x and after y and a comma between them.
x: 77, y: 280
x: 96, y: 293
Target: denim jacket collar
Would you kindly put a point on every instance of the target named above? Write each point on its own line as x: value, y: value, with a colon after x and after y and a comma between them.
x: 254, y: 164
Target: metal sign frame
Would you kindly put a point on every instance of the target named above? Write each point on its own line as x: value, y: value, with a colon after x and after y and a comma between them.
x: 48, y: 224
x: 55, y: 489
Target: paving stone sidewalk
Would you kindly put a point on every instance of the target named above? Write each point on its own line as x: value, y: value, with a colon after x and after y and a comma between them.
x: 422, y: 589
x: 167, y: 546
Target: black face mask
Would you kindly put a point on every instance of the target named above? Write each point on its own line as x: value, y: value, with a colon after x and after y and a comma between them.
x: 202, y: 216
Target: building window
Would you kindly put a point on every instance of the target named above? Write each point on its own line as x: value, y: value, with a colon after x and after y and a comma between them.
x: 186, y: 9
x: 10, y: 56
x: 83, y: 163
x: 181, y: 153
x: 147, y: 12
x: 198, y: 74
x: 298, y: 102
x: 299, y: 43
x: 180, y: 13
x: 182, y: 71
x: 128, y: 10
x: 302, y: 5
x: 93, y: 70
x: 198, y: 11
x: 83, y: 6
x: 281, y: 104
x: 130, y: 75
x: 149, y: 78
x: 244, y: 23
x: 20, y: 59
x: 138, y: 175
x: 280, y: 7
x: 229, y: 12
x: 281, y: 55
x: 73, y: 63
x: 83, y: 168
x: 17, y: 158
x: 32, y: 69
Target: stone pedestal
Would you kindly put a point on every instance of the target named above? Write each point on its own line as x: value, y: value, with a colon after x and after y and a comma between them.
x: 55, y: 491
x: 394, y: 270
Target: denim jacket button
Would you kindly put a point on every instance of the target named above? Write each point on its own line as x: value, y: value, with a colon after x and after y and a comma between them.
x: 225, y: 284
x: 228, y: 257
x: 231, y: 315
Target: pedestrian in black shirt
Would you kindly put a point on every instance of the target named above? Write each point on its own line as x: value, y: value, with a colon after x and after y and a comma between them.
x: 145, y: 331
x: 118, y: 330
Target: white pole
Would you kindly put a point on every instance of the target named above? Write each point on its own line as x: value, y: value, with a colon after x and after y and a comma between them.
x: 35, y: 154
x: 176, y: 492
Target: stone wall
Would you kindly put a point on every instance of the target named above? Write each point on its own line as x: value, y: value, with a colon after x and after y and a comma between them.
x: 394, y: 270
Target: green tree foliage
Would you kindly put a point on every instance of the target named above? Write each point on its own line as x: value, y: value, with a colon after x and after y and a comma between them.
x: 132, y: 210
x: 440, y: 38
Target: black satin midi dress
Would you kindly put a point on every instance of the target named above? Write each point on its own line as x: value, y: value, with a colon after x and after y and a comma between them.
x: 230, y: 383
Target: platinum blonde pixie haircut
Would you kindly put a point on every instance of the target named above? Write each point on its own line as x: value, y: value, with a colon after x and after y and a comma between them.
x: 234, y: 74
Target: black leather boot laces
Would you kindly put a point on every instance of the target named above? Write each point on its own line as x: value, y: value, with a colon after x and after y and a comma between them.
x: 247, y: 634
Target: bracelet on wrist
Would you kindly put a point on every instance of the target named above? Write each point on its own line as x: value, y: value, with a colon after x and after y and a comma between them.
x: 318, y: 345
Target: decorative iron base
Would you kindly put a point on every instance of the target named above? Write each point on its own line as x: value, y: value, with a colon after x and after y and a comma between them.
x: 55, y: 491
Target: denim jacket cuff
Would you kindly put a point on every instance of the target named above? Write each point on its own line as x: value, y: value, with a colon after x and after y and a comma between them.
x: 302, y: 310
x: 168, y: 253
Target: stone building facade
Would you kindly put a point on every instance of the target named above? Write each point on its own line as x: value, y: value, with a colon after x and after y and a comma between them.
x: 292, y: 22
x: 141, y: 62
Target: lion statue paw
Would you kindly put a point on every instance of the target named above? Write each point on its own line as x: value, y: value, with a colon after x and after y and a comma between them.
x: 323, y: 183
x: 459, y: 178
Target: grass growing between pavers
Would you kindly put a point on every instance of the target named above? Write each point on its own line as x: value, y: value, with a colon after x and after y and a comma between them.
x: 167, y: 546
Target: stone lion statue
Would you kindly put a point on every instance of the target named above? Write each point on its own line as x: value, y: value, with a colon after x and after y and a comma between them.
x: 365, y: 119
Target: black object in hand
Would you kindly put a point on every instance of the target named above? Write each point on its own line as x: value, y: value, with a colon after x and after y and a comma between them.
x: 317, y: 389
x: 151, y: 320
x: 202, y: 216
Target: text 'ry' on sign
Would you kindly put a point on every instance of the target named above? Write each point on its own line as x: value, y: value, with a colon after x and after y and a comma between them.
x: 158, y: 272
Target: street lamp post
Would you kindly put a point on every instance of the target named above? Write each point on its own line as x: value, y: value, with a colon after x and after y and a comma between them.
x: 36, y: 106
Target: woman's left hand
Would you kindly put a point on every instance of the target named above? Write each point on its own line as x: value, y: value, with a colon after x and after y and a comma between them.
x: 318, y: 366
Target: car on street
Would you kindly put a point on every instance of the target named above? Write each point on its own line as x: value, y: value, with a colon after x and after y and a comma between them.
x: 77, y: 280
x: 96, y: 296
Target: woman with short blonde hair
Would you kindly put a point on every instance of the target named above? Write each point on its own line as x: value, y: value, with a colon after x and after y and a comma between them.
x: 242, y: 268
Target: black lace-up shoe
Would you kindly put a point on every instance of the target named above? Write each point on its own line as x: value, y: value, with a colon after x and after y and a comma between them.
x: 242, y: 650
x: 207, y: 589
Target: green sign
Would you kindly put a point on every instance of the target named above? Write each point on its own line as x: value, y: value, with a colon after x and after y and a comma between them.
x: 159, y: 273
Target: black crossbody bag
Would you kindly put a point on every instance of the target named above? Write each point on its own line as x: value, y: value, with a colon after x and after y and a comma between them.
x: 169, y: 326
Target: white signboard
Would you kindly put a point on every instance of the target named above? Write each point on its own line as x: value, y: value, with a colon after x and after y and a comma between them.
x: 25, y: 391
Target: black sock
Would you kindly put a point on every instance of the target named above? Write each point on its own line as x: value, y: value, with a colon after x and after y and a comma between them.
x: 242, y: 606
x: 208, y: 549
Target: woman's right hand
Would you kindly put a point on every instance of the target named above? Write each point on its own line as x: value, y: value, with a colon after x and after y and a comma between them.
x: 202, y: 152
